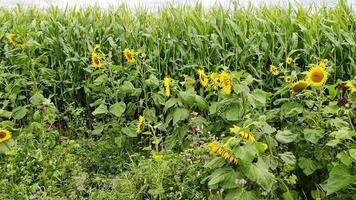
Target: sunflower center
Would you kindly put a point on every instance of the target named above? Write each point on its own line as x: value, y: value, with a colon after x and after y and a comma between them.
x: 317, y: 76
x: 299, y: 87
x: 96, y: 60
x: 129, y: 56
x: 2, y: 135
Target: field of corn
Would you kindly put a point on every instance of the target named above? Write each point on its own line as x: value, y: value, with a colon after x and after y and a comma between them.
x: 185, y: 103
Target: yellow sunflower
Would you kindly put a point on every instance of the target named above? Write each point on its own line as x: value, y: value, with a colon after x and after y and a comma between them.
x: 216, y: 148
x: 203, y: 78
x: 287, y: 79
x: 225, y: 82
x: 12, y: 40
x: 129, y: 56
x: 4, y: 135
x: 96, y: 59
x: 317, y: 76
x: 351, y: 85
x: 247, y: 136
x: 141, y: 119
x: 274, y: 70
x: 299, y: 86
x: 167, y: 83
x: 289, y: 60
x: 215, y: 78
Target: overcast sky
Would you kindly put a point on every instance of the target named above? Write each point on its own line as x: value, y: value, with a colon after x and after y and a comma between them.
x: 152, y: 3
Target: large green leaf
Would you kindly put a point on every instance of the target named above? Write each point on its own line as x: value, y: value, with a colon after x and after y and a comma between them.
x: 308, y: 165
x: 118, y: 109
x: 19, y: 112
x: 286, y: 136
x: 180, y: 114
x: 339, y: 178
x: 102, y: 109
x: 259, y: 173
x: 313, y: 135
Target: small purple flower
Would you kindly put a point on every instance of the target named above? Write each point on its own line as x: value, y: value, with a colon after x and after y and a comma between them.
x: 42, y: 108
x: 191, y: 116
x: 61, y: 138
x: 342, y: 101
x: 195, y: 128
x: 342, y: 87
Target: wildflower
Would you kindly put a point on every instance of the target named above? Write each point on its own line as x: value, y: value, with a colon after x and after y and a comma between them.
x: 289, y: 60
x: 196, y: 128
x: 191, y: 116
x: 241, y: 182
x: 247, y: 136
x: 139, y: 124
x: 96, y: 59
x: 216, y: 148
x: 351, y: 85
x: 129, y: 56
x: 4, y: 135
x: 42, y: 108
x: 287, y: 79
x: 12, y: 40
x: 299, y: 86
x: 317, y: 76
x: 342, y: 101
x: 215, y: 78
x: 61, y: 138
x: 225, y: 82
x: 167, y: 83
x: 274, y: 70
x: 292, y: 179
x: 203, y: 78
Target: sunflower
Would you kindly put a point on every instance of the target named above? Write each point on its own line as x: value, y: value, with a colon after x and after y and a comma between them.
x: 265, y: 146
x: 317, y: 76
x: 216, y: 148
x: 351, y: 85
x: 167, y: 83
x: 96, y: 59
x: 289, y: 60
x: 274, y: 70
x: 215, y: 78
x: 287, y: 79
x: 129, y: 56
x: 12, y: 40
x: 203, y: 78
x: 299, y: 86
x: 4, y: 135
x: 141, y: 119
x: 225, y: 82
x: 235, y: 129
x: 247, y: 136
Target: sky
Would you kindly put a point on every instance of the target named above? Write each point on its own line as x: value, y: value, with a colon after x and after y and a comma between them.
x: 153, y: 4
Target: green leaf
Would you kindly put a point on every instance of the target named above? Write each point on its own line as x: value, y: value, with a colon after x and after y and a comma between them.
x: 259, y: 173
x: 5, y: 114
x: 344, y: 158
x: 308, y: 166
x: 332, y: 91
x: 313, y: 135
x: 286, y: 136
x: 234, y: 113
x: 343, y: 134
x: 219, y: 175
x: 288, y: 157
x: 98, y: 130
x: 339, y: 178
x: 290, y: 195
x: 19, y: 112
x: 188, y: 98
x: 260, y: 97
x: 201, y: 102
x: 102, y: 109
x: 352, y: 153
x: 241, y: 194
x: 37, y: 99
x: 129, y: 131
x: 180, y: 114
x: 290, y: 109
x: 118, y: 109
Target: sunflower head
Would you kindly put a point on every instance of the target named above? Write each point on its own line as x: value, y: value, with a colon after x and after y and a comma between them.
x: 167, y: 85
x: 274, y: 70
x: 129, y: 56
x: 11, y: 38
x: 323, y: 63
x: 317, y: 76
x: 225, y: 82
x: 287, y: 79
x: 4, y: 135
x: 289, y: 60
x: 351, y: 85
x: 96, y: 59
x: 299, y: 86
x: 141, y: 119
x: 215, y: 78
x: 203, y: 78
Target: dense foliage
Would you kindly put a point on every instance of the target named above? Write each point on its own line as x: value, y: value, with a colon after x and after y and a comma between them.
x: 186, y: 103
